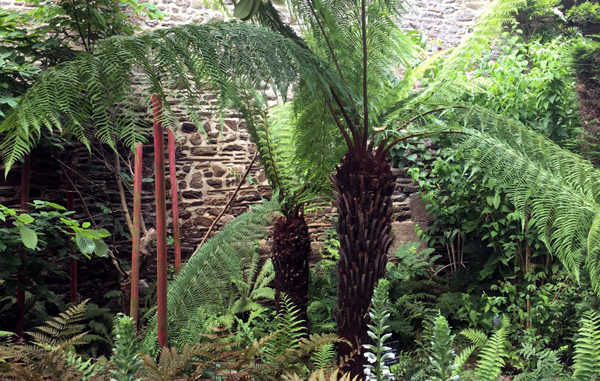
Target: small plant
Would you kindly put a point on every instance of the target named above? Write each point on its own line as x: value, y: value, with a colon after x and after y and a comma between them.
x: 377, y: 353
x: 442, y: 355
x: 125, y: 352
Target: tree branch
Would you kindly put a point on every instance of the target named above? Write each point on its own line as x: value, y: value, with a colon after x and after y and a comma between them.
x: 214, y: 223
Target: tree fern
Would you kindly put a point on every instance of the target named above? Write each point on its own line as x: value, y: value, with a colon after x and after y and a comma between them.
x: 204, y: 284
x: 587, y: 348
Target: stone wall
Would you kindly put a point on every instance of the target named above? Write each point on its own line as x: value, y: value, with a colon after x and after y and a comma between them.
x: 209, y: 165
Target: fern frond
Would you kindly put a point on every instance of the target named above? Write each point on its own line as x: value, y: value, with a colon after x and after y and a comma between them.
x: 204, y: 285
x: 74, y: 98
x: 492, y: 355
x: 324, y: 357
x: 321, y: 375
x: 477, y: 337
x: 558, y: 189
x: 64, y: 329
x: 587, y: 348
x: 288, y: 328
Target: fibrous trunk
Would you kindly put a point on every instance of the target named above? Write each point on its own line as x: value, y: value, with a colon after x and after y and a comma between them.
x: 364, y: 186
x: 291, y: 255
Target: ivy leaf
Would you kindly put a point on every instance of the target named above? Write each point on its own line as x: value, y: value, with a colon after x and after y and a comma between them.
x: 28, y: 237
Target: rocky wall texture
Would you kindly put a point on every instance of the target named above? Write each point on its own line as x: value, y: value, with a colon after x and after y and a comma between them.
x: 209, y: 165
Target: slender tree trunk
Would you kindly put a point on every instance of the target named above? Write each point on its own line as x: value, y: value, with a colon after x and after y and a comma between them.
x: 364, y: 187
x: 174, y: 200
x: 72, y: 261
x: 291, y: 255
x: 134, y: 276
x: 25, y: 182
x: 161, y: 223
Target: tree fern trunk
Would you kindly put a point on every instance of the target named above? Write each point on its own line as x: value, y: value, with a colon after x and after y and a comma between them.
x: 161, y: 223
x: 364, y: 188
x: 291, y: 255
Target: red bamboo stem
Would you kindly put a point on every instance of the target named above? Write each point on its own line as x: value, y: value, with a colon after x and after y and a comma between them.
x: 161, y: 214
x: 25, y: 181
x: 174, y: 200
x: 135, y: 251
x: 72, y: 261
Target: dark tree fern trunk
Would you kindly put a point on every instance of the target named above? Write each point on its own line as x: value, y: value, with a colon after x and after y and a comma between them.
x: 364, y: 188
x: 291, y: 255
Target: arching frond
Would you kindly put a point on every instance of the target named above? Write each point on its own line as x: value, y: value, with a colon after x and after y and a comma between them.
x: 203, y: 285
x: 558, y: 189
x: 92, y: 96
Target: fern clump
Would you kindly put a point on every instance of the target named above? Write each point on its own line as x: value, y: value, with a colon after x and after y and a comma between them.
x: 52, y: 356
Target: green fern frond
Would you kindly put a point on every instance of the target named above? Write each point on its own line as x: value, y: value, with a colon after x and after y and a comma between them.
x: 558, y: 189
x: 493, y: 354
x: 324, y: 357
x: 288, y: 329
x: 74, y: 98
x: 587, y: 348
x: 477, y: 337
x: 64, y: 329
x: 213, y: 267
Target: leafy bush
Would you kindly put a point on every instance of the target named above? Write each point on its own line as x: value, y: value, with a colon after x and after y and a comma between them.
x: 530, y: 82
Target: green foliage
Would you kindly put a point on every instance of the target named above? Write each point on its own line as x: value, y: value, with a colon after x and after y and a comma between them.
x: 555, y: 187
x: 377, y: 353
x: 287, y: 329
x: 493, y: 354
x: 32, y: 242
x: 52, y: 354
x: 125, y: 351
x: 587, y: 348
x: 209, y: 282
x: 531, y: 83
x: 46, y: 35
x: 442, y: 354
x: 585, y: 14
x: 63, y: 330
x: 324, y: 357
